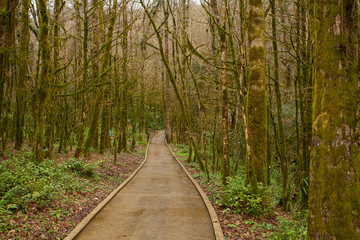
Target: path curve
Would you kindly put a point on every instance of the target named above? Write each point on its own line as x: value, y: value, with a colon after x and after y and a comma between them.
x: 159, y: 202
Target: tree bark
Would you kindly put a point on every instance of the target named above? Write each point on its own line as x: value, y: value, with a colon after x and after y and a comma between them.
x: 21, y: 91
x: 256, y: 96
x: 334, y: 205
x: 281, y: 140
x: 43, y: 84
x: 224, y: 95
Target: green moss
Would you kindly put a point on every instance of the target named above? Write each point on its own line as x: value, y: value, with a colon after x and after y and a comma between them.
x: 256, y: 2
x: 335, y: 169
x: 256, y: 98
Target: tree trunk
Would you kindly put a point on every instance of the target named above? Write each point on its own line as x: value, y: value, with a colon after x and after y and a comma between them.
x: 23, y: 74
x: 306, y: 102
x: 167, y: 85
x: 124, y: 110
x: 105, y: 118
x: 97, y: 39
x: 281, y: 140
x: 43, y: 84
x: 224, y: 95
x: 334, y: 205
x: 256, y: 96
x: 7, y: 43
x: 82, y: 84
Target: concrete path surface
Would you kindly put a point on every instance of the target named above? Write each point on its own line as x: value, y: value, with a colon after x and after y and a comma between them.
x: 160, y: 202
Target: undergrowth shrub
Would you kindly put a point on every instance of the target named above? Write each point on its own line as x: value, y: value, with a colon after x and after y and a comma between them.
x: 241, y: 200
x: 26, y: 181
x: 81, y: 168
x: 291, y: 229
x: 23, y: 181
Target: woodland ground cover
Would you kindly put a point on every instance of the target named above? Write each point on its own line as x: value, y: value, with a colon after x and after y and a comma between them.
x: 47, y: 200
x: 243, y: 215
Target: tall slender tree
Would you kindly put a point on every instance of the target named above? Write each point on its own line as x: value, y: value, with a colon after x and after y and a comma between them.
x: 281, y: 140
x: 224, y: 93
x: 43, y: 83
x: 256, y: 167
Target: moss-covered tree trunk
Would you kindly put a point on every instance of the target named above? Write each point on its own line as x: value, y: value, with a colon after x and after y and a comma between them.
x: 83, y: 82
x: 43, y: 83
x: 256, y: 97
x: 3, y: 9
x: 23, y: 74
x: 334, y: 203
x: 123, y: 139
x: 105, y: 117
x: 54, y: 79
x: 7, y: 71
x: 97, y: 40
x: 224, y: 95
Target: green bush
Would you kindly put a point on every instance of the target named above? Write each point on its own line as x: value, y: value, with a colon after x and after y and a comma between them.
x: 77, y: 165
x: 241, y: 199
x: 25, y: 181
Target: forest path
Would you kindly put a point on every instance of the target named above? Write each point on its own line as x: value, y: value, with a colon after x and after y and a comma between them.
x: 160, y: 202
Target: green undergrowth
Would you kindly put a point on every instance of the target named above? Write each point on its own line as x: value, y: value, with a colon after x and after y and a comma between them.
x: 288, y: 228
x: 239, y: 199
x: 24, y: 182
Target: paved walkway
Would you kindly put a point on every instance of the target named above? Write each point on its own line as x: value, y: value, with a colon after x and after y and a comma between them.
x: 160, y: 202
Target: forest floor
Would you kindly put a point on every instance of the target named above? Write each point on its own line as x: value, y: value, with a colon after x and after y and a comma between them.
x: 46, y: 201
x: 275, y: 224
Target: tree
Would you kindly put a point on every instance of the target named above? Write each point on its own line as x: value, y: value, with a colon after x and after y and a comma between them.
x: 334, y: 209
x: 256, y: 166
x: 43, y: 84
x: 23, y: 74
x: 83, y: 82
x: 224, y: 93
x: 97, y: 40
x: 7, y: 43
x: 281, y: 140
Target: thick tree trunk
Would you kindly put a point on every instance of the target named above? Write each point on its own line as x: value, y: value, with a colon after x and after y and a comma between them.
x: 256, y: 97
x: 23, y: 74
x: 334, y: 205
x: 7, y: 43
